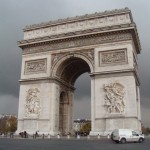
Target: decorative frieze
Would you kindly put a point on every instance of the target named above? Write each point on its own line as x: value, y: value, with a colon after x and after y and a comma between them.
x: 35, y: 66
x: 85, y: 41
x: 32, y: 103
x: 89, y: 53
x: 78, y: 25
x: 114, y: 57
x: 114, y: 97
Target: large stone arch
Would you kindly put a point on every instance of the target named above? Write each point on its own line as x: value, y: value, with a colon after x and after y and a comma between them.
x: 68, y: 60
x: 66, y: 70
x: 104, y: 44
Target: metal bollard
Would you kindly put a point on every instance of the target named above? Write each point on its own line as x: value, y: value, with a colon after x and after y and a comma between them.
x: 68, y: 136
x: 108, y: 136
x: 43, y: 136
x: 49, y: 136
x: 88, y: 137
x: 58, y: 136
x: 98, y: 137
x: 78, y: 137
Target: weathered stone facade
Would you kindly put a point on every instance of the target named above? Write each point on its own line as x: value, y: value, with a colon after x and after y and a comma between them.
x: 56, y: 53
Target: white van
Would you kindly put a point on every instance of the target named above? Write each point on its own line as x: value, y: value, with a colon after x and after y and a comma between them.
x: 126, y: 135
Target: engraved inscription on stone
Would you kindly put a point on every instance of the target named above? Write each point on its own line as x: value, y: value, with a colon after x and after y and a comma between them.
x: 113, y: 57
x: 35, y: 66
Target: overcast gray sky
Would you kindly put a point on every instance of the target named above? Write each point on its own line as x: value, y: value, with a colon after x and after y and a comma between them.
x: 16, y: 14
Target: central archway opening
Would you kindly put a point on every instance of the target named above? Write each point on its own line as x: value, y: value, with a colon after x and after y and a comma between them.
x: 82, y: 105
x: 68, y: 72
x: 71, y: 69
x: 82, y: 98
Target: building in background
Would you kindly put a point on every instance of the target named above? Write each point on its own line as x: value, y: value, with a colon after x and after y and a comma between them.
x: 82, y: 126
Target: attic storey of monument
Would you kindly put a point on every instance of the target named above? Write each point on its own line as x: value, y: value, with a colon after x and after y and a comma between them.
x: 56, y: 53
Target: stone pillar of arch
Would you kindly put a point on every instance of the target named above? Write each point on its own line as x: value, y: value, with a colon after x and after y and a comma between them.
x: 55, y: 54
x: 65, y: 71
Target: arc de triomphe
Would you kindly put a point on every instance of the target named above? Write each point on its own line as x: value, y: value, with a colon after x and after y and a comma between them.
x: 56, y: 53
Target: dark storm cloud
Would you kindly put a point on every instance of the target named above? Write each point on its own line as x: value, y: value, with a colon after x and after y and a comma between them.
x: 16, y: 14
x: 83, y: 86
x: 9, y: 104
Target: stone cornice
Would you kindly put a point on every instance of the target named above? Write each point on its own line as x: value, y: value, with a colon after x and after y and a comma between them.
x: 112, y: 116
x: 78, y: 18
x: 81, y: 39
x: 46, y: 79
x: 81, y: 27
x: 35, y: 79
x: 132, y: 70
x: 49, y: 79
x: 75, y: 42
x: 75, y: 34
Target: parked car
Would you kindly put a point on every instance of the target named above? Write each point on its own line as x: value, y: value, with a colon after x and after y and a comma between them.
x: 126, y: 135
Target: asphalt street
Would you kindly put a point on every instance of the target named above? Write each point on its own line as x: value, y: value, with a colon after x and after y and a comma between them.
x: 69, y: 144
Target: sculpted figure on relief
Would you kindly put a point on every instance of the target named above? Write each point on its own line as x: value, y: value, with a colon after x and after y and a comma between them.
x: 32, y: 106
x: 114, y: 97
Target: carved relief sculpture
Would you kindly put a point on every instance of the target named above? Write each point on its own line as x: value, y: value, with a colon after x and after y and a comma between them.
x: 114, y: 97
x: 58, y: 56
x: 113, y: 57
x: 77, y: 43
x: 32, y: 105
x: 35, y: 66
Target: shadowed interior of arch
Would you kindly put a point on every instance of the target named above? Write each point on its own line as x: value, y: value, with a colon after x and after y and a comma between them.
x: 71, y: 69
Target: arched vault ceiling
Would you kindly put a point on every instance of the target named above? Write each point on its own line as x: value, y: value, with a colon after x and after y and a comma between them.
x: 71, y: 69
